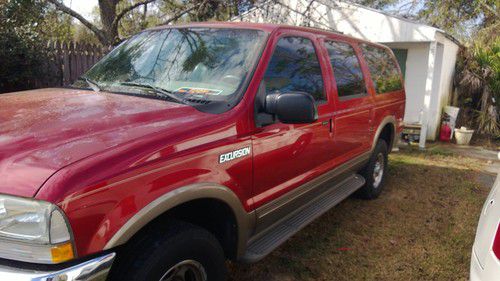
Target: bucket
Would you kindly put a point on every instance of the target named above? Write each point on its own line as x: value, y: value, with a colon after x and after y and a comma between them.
x: 463, y: 136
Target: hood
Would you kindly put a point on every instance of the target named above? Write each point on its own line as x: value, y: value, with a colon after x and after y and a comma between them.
x: 42, y: 131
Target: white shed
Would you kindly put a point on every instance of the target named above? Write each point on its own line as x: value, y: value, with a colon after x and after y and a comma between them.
x: 426, y: 54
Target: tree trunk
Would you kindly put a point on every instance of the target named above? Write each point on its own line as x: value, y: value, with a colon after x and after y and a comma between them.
x: 110, y: 19
x: 107, y: 9
x: 485, y: 98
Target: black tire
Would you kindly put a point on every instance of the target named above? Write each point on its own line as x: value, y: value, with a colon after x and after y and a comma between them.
x: 374, y: 185
x: 150, y: 256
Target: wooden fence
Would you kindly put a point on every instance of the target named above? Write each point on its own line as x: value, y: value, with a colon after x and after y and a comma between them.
x: 67, y: 62
x: 75, y: 59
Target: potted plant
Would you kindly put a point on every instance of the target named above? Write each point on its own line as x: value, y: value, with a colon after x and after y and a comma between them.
x: 463, y: 135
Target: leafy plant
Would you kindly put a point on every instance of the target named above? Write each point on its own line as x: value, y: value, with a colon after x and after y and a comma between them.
x: 488, y: 124
x: 26, y: 27
x: 478, y: 85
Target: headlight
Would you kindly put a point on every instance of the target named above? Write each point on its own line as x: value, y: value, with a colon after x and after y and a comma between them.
x: 33, y: 231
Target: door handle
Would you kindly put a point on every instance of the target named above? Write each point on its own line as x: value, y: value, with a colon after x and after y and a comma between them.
x: 328, y: 123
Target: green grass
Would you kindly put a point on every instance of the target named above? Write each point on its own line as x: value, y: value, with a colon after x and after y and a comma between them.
x: 421, y: 228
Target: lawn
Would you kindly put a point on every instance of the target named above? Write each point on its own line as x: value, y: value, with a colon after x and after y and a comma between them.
x: 421, y: 228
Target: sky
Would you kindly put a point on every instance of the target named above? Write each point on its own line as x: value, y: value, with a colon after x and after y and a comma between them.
x: 84, y: 7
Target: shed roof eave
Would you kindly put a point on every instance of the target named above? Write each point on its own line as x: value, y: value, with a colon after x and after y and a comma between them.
x: 406, y: 42
x: 322, y: 2
x: 451, y: 38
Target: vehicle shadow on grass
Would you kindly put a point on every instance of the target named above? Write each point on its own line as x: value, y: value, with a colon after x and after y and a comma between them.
x: 421, y: 228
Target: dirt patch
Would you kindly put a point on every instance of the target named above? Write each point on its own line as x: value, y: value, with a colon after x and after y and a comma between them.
x: 488, y: 158
x: 421, y: 228
x: 486, y: 141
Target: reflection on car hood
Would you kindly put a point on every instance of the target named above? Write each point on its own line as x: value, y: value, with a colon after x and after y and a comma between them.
x: 42, y: 131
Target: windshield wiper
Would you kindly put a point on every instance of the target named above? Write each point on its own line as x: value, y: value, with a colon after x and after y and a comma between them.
x: 158, y: 91
x: 93, y: 84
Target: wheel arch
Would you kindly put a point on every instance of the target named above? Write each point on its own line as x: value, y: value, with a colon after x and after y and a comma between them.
x: 182, y: 196
x: 386, y: 130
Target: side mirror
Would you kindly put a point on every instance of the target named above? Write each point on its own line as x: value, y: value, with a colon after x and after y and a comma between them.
x: 292, y: 107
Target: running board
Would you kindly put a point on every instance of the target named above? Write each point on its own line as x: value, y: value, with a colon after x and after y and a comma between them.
x: 280, y: 232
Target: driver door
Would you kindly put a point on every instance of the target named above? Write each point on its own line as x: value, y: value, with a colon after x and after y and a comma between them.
x: 289, y: 155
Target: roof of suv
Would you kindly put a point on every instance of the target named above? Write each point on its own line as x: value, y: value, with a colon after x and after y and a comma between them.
x: 267, y: 27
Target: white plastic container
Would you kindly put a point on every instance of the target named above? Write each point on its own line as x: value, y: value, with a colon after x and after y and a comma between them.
x: 463, y: 136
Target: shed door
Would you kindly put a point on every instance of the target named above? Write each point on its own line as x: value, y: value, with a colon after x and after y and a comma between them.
x: 401, y: 55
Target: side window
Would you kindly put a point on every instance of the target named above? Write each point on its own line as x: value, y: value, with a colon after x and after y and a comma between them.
x: 294, y: 66
x: 383, y: 69
x: 346, y: 69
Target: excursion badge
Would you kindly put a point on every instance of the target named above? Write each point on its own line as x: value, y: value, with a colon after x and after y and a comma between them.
x: 234, y: 154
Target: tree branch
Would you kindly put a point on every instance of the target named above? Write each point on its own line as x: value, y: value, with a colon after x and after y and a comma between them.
x: 178, y: 15
x: 200, y: 7
x: 128, y: 9
x: 63, y: 8
x: 490, y: 9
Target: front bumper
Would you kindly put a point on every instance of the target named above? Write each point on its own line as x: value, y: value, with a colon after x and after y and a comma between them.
x: 96, y: 269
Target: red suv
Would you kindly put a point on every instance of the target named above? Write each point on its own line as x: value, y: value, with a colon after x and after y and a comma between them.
x: 189, y: 145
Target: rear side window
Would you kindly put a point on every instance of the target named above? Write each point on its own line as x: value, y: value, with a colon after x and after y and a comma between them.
x: 294, y: 66
x: 346, y: 69
x: 383, y: 69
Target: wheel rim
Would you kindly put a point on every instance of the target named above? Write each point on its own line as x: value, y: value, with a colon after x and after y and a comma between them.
x: 188, y: 270
x: 378, y: 170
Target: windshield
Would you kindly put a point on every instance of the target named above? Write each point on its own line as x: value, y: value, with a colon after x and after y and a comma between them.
x: 194, y: 63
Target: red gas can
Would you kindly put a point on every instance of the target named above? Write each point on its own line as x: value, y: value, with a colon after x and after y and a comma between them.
x: 445, y: 133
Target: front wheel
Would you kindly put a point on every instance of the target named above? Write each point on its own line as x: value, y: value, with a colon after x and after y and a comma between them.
x: 374, y: 172
x: 178, y: 252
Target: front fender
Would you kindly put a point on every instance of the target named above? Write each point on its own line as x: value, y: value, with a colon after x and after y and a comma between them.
x: 182, y: 195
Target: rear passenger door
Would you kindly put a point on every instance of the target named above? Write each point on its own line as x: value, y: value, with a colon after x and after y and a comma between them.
x: 352, y: 128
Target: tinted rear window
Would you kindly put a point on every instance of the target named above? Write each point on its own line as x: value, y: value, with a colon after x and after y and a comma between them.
x: 383, y: 69
x: 346, y: 69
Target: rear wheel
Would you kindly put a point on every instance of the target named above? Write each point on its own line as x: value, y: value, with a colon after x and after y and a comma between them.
x: 179, y: 252
x: 374, y: 172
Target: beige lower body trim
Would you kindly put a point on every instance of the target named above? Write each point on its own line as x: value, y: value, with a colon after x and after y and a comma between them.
x: 250, y: 224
